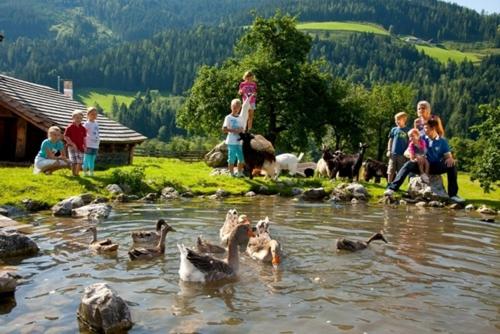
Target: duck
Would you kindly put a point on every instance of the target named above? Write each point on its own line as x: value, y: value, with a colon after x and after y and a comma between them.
x: 262, y: 247
x: 105, y: 245
x: 195, y: 267
x: 149, y: 253
x: 204, y: 246
x: 352, y: 246
x: 231, y: 221
x: 149, y: 237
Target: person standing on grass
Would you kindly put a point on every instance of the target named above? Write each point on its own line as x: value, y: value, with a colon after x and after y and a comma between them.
x: 91, y: 142
x: 233, y: 127
x: 51, y: 156
x: 248, y: 90
x: 75, y: 139
x: 398, y: 142
x: 440, y: 161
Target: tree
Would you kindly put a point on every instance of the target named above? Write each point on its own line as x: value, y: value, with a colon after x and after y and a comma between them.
x: 487, y: 165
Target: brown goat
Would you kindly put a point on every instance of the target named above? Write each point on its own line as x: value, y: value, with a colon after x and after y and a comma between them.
x: 374, y: 168
x: 347, y: 165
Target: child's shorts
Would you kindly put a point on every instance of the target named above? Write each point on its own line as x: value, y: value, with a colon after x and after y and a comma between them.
x: 234, y: 152
x: 75, y: 156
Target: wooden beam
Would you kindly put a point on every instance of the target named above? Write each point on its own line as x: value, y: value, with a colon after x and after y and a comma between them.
x: 22, y: 127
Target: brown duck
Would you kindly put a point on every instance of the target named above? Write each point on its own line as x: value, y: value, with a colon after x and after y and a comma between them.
x: 204, y: 246
x: 149, y: 237
x: 149, y: 253
x: 352, y: 246
x: 105, y: 245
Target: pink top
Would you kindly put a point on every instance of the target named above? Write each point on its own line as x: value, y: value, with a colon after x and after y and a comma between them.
x: 248, y: 88
x: 419, y: 149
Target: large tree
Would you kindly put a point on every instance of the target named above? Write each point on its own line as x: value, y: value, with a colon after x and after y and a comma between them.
x: 293, y: 92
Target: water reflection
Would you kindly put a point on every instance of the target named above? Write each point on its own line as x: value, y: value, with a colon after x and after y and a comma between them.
x: 440, y: 271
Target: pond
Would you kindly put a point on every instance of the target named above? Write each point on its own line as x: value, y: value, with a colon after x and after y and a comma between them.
x: 440, y: 272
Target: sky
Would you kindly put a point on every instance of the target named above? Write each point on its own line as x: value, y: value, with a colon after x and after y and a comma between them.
x: 490, y: 6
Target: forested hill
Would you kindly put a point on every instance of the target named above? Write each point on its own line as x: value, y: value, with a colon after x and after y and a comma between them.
x: 126, y: 19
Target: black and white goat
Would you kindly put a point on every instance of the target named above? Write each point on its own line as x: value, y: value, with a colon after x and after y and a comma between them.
x: 347, y: 165
x: 258, y: 154
x: 374, y: 168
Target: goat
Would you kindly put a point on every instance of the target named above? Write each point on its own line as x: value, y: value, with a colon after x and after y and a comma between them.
x: 347, y: 165
x: 322, y: 169
x: 289, y: 162
x: 256, y: 158
x: 374, y: 168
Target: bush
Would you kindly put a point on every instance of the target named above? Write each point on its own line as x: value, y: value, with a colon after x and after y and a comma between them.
x: 134, y: 178
x: 466, y: 152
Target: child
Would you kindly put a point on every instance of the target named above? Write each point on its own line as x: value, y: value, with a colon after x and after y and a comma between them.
x: 51, y: 156
x: 75, y: 139
x: 418, y: 149
x: 91, y: 141
x: 233, y: 127
x: 398, y: 142
x: 248, y: 89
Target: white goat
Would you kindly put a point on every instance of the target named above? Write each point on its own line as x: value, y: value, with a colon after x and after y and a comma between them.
x: 289, y: 162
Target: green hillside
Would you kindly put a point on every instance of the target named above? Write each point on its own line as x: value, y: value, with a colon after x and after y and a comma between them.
x: 104, y: 97
x: 343, y: 26
x: 443, y: 55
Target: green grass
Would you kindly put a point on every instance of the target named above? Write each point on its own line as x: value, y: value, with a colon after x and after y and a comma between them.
x: 104, y: 97
x: 346, y: 26
x: 159, y: 172
x: 443, y: 55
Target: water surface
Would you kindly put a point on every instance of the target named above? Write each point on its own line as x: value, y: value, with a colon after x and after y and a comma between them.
x: 440, y: 272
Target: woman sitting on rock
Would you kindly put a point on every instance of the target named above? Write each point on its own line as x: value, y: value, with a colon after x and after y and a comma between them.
x: 51, y: 156
x: 424, y: 114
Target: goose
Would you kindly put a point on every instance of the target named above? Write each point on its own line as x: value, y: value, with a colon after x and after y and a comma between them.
x: 105, y: 245
x: 262, y: 247
x: 149, y: 237
x: 195, y: 267
x: 203, y: 246
x: 148, y: 253
x: 352, y: 246
x: 229, y: 224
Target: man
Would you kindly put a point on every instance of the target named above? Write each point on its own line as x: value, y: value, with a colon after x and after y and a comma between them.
x: 440, y: 160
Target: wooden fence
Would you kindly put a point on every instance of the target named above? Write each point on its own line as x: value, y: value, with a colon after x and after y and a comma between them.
x: 189, y: 156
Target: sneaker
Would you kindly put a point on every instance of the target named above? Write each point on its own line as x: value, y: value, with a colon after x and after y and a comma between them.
x: 425, y: 178
x: 388, y: 192
x: 240, y: 175
x: 457, y: 199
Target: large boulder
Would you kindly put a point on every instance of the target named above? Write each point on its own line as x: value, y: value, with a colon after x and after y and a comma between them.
x: 16, y: 244
x: 102, y: 310
x: 314, y: 194
x: 348, y: 191
x: 434, y: 191
x: 8, y: 283
x: 65, y: 207
x: 35, y: 205
x: 96, y: 211
x: 114, y: 189
x: 169, y: 193
x: 217, y: 157
x: 11, y: 211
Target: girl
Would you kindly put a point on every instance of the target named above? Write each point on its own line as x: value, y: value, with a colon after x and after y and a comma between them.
x: 51, y: 156
x: 248, y: 89
x: 91, y: 141
x: 417, y: 150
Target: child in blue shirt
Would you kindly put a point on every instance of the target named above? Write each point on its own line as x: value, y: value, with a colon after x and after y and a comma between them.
x: 233, y: 127
x: 398, y: 142
x: 51, y: 156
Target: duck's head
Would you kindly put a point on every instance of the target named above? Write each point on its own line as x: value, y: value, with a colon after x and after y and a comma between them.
x: 159, y: 224
x: 91, y: 229
x: 242, y: 233
x: 232, y: 216
x: 262, y: 226
x: 276, y: 253
x: 168, y: 228
x: 377, y: 236
x: 243, y: 219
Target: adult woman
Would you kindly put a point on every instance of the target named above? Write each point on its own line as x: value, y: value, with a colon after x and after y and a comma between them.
x: 424, y: 114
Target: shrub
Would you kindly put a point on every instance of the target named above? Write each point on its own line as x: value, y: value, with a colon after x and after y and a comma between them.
x: 134, y: 178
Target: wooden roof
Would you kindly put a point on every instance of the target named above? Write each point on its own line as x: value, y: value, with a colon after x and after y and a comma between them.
x: 44, y: 107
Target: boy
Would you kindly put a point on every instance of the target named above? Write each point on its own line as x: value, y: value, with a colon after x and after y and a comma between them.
x: 233, y: 127
x: 75, y: 139
x: 397, y: 145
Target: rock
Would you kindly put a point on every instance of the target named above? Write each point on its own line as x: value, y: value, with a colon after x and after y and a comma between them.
x: 100, y: 200
x: 435, y: 204
x: 456, y: 206
x: 16, y: 244
x: 263, y: 190
x: 483, y: 209
x: 64, y: 207
x: 187, y: 194
x: 34, y: 205
x: 96, y: 211
x: 151, y: 197
x: 126, y: 188
x: 8, y: 283
x: 11, y: 211
x: 296, y: 191
x: 354, y: 200
x: 102, y: 310
x: 470, y: 207
x: 114, y: 189
x: 358, y: 191
x: 169, y: 193
x: 432, y: 191
x: 421, y: 204
x: 346, y: 192
x: 221, y: 193
x: 250, y: 194
x: 403, y: 202
x: 220, y: 171
x: 217, y: 157
x: 314, y: 194
x: 334, y: 199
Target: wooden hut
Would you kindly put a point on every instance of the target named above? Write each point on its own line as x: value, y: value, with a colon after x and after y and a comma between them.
x: 27, y: 110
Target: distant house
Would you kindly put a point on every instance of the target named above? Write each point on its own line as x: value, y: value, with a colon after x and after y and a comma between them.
x: 27, y: 110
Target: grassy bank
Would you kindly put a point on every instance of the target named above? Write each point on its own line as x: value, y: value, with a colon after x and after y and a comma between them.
x: 156, y: 173
x: 104, y: 97
x: 346, y: 26
x: 443, y: 55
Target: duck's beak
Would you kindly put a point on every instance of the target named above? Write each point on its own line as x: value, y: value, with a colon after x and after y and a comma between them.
x: 276, y: 261
x: 383, y: 238
x: 172, y: 229
x: 250, y: 233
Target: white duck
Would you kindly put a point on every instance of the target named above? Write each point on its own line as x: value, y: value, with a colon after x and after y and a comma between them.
x: 228, y: 226
x: 195, y: 267
x: 262, y: 247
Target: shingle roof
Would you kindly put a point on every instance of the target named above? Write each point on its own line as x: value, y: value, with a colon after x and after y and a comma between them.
x: 45, y: 106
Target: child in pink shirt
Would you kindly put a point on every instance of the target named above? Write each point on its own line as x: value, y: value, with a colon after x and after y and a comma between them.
x: 418, y: 149
x: 248, y: 90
